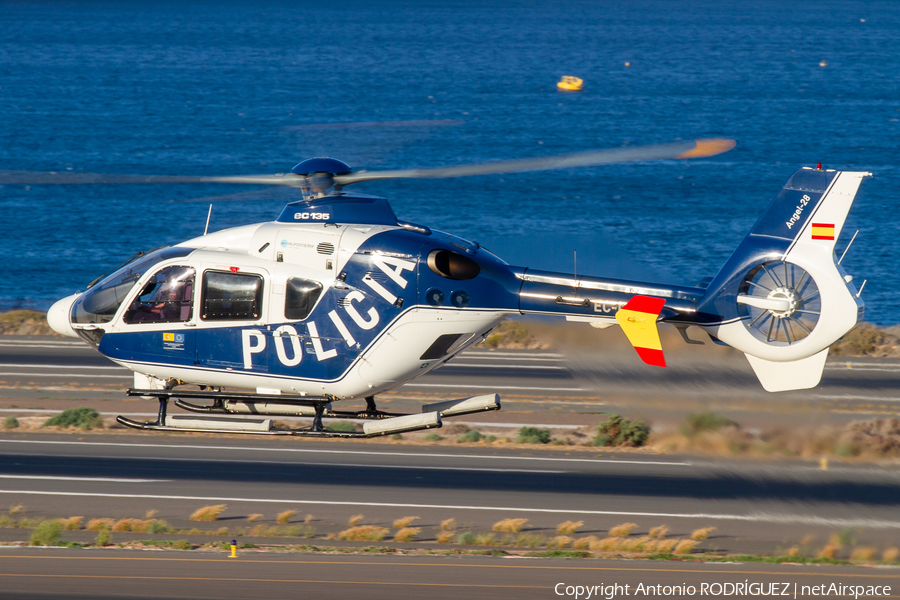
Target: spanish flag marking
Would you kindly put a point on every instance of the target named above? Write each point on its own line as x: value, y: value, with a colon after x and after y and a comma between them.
x: 638, y: 320
x: 168, y: 337
x: 823, y: 231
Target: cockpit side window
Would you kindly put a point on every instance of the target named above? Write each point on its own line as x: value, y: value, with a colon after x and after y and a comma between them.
x: 167, y: 297
x: 231, y: 296
x: 300, y: 297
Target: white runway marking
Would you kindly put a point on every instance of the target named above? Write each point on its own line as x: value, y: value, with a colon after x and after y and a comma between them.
x: 352, y: 452
x: 784, y: 518
x: 487, y: 366
x: 61, y: 478
x: 47, y: 366
x: 66, y: 375
x: 494, y: 387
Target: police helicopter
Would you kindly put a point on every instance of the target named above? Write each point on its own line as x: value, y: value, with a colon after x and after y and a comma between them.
x: 338, y: 300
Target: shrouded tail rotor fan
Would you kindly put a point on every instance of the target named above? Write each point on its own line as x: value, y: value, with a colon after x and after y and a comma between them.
x: 779, y: 302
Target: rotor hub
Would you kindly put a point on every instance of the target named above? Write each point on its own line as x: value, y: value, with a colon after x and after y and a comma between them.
x: 785, y: 293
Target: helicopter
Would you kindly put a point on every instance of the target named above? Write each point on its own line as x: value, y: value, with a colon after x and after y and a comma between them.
x: 339, y: 300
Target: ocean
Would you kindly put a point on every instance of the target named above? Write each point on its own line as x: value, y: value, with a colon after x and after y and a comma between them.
x: 237, y: 87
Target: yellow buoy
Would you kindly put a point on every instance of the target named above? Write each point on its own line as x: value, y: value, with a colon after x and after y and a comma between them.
x: 570, y: 84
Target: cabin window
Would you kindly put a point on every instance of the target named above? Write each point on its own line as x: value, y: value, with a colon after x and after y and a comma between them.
x: 167, y: 297
x: 231, y: 296
x: 300, y: 297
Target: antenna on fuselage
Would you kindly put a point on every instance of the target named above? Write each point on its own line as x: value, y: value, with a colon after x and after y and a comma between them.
x: 208, y: 215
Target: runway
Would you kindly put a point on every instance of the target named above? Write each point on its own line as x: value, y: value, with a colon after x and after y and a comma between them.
x: 33, y: 574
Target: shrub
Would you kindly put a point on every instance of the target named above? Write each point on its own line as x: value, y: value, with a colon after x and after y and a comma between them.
x: 890, y: 554
x: 528, y: 540
x: 364, y: 533
x: 470, y: 436
x: 10, y: 422
x: 619, y: 431
x: 104, y: 537
x: 706, y: 421
x: 7, y: 521
x: 830, y: 551
x: 511, y: 525
x: 448, y: 524
x: 285, y: 516
x: 157, y: 526
x: 433, y: 437
x: 207, y: 513
x: 445, y: 537
x: 182, y: 545
x: 406, y: 534
x: 98, y: 524
x: 466, y: 538
x: 404, y: 522
x: 342, y: 426
x: 486, y: 539
x: 569, y: 526
x: 560, y: 541
x: 47, y: 533
x: 622, y: 530
x: 702, y: 534
x: 82, y: 417
x: 533, y: 435
x: 685, y: 546
x: 659, y: 532
x: 863, y: 554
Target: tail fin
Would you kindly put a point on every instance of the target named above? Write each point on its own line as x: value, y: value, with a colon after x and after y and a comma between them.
x: 781, y: 297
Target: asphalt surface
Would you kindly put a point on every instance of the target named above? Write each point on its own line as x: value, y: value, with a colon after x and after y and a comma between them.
x: 31, y: 574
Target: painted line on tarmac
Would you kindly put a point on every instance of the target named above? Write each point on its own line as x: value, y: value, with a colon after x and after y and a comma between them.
x: 353, y: 452
x: 493, y: 387
x: 49, y: 366
x: 66, y: 375
x: 63, y: 478
x: 780, y: 518
x: 489, y: 366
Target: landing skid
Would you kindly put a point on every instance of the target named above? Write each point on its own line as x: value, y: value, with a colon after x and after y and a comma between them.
x: 219, y: 416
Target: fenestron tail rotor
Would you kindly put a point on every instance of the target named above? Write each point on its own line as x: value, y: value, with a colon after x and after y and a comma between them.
x: 780, y: 302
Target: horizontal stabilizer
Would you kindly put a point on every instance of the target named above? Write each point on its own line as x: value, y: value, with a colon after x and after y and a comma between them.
x: 638, y: 321
x: 791, y: 375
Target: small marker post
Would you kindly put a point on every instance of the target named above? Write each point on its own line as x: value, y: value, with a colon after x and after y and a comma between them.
x: 823, y: 464
x: 233, y: 549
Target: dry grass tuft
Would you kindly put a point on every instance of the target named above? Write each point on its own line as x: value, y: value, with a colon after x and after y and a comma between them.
x: 254, y: 517
x: 702, y: 534
x: 685, y: 546
x: 891, y: 554
x: 650, y: 545
x: 285, y: 516
x: 355, y: 520
x: 510, y: 525
x: 448, y: 524
x: 584, y: 543
x: 150, y: 513
x: 308, y: 519
x: 830, y: 551
x: 404, y: 522
x: 529, y: 540
x: 560, y: 541
x: 792, y: 551
x: 364, y: 533
x: 635, y: 544
x: 568, y: 527
x: 98, y: 524
x: 207, y: 513
x: 607, y: 544
x: 486, y: 539
x: 15, y: 509
x: 445, y: 537
x: 406, y: 534
x: 622, y: 530
x: 659, y: 532
x: 666, y: 546
x: 864, y: 554
x: 72, y: 523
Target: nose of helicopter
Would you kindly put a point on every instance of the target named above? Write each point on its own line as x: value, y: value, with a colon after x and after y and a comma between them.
x: 58, y: 316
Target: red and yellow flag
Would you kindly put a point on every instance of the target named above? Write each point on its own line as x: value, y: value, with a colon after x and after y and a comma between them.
x: 823, y: 231
x: 638, y: 321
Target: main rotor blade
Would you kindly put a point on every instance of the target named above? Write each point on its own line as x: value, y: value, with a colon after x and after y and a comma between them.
x: 678, y: 150
x: 66, y: 178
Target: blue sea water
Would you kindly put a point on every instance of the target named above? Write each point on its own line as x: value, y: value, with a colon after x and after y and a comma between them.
x: 235, y: 87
